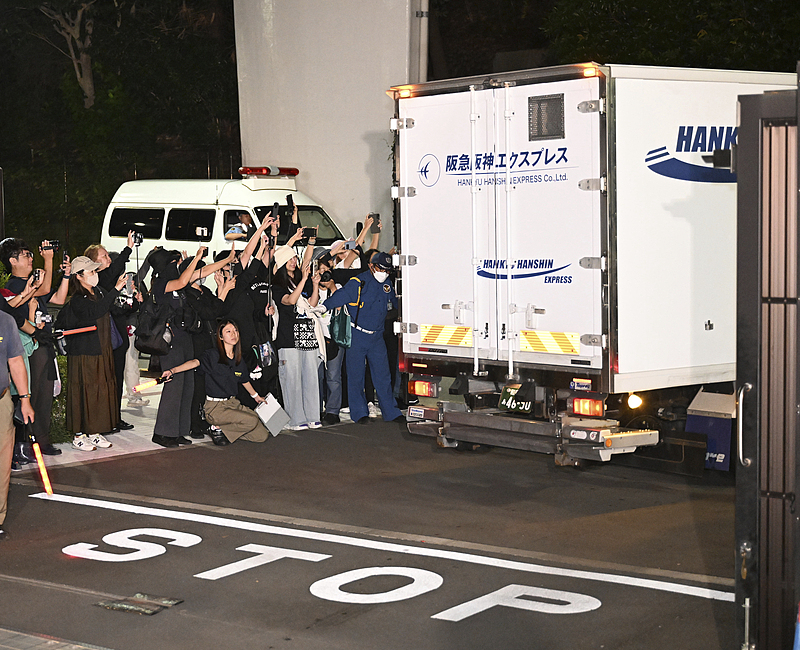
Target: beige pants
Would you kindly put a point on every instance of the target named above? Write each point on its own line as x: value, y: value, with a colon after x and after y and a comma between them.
x: 6, y: 450
x: 235, y: 420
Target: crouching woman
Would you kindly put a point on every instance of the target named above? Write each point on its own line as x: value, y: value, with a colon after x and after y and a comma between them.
x: 224, y: 369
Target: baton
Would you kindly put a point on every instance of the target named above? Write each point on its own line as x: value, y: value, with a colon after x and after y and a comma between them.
x: 40, y: 462
x: 148, y: 384
x: 79, y: 330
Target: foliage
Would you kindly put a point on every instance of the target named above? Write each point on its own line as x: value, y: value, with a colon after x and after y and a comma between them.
x: 165, y: 105
x: 58, y: 423
x: 730, y: 34
x: 473, y: 31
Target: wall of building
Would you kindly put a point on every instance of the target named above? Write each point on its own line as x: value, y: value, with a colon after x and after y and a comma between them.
x: 312, y: 81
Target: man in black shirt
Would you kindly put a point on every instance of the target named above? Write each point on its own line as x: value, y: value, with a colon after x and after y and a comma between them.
x: 17, y: 257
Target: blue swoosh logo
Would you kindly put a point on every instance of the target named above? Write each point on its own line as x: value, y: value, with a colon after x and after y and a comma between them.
x: 658, y: 161
x: 502, y: 276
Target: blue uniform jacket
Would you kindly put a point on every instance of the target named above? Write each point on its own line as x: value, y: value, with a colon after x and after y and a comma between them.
x: 367, y: 310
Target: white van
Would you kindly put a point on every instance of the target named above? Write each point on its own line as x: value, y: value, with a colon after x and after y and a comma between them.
x: 182, y: 214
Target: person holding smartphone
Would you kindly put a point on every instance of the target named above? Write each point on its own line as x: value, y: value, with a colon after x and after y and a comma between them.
x: 174, y: 417
x: 17, y: 257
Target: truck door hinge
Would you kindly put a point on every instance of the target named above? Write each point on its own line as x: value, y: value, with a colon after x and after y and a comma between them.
x: 403, y: 192
x: 594, y: 340
x: 593, y: 263
x: 404, y: 260
x: 397, y: 123
x: 405, y: 328
x: 593, y: 184
x: 593, y: 106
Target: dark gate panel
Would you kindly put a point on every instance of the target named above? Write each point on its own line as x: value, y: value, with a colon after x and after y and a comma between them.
x: 767, y: 370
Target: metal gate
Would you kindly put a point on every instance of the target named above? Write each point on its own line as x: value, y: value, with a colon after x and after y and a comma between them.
x: 768, y: 275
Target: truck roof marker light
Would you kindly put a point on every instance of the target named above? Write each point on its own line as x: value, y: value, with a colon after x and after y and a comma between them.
x: 634, y: 401
x: 404, y: 93
x: 591, y: 71
x: 269, y: 171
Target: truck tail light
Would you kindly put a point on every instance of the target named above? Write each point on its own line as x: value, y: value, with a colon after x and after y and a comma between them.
x: 269, y: 171
x: 590, y: 406
x: 423, y: 388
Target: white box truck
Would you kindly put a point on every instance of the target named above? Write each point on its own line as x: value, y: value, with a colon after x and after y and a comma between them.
x: 566, y: 241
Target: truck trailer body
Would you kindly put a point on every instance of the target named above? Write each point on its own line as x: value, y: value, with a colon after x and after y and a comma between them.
x: 564, y: 232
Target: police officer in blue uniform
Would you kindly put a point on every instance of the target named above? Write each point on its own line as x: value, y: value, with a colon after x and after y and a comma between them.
x: 368, y: 297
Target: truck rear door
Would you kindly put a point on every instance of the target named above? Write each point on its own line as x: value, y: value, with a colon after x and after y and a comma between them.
x: 459, y: 152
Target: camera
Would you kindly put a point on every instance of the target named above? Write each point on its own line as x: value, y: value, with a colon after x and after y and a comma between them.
x: 138, y: 238
x: 52, y: 245
x: 326, y: 276
x: 309, y: 232
x: 42, y: 318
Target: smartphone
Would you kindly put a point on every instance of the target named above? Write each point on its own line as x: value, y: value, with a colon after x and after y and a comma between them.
x: 276, y: 210
x: 350, y: 245
x: 309, y: 232
x: 37, y: 275
x: 376, y: 222
x: 290, y: 204
x: 314, y: 266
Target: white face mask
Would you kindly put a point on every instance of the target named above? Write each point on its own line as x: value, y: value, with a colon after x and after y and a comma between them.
x: 92, y: 280
x: 380, y: 276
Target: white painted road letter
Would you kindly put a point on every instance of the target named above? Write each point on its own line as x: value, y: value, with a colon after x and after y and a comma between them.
x: 266, y: 554
x: 122, y: 539
x: 550, y: 602
x: 331, y: 588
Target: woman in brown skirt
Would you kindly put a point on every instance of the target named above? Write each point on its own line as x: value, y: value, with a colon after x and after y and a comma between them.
x: 92, y: 406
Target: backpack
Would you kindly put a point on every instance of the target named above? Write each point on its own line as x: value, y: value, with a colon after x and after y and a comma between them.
x: 153, y: 333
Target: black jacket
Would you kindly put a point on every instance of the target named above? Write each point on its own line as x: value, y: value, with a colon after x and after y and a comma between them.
x: 87, y: 312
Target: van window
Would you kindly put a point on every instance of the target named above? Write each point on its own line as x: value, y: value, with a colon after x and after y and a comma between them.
x: 190, y: 224
x: 147, y: 221
x: 308, y: 216
x: 232, y: 219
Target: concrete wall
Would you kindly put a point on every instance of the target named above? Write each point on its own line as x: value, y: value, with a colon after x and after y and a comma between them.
x: 312, y: 81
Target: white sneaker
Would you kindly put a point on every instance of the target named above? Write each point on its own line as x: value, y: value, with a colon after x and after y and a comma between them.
x: 314, y: 425
x: 297, y: 427
x: 138, y: 401
x: 346, y: 409
x: 82, y: 443
x: 99, y: 440
x: 374, y: 411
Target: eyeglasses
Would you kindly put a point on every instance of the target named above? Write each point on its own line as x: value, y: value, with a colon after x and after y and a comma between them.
x: 25, y: 254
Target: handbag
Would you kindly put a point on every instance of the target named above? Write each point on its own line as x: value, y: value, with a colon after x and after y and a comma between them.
x: 153, y: 334
x: 340, y: 328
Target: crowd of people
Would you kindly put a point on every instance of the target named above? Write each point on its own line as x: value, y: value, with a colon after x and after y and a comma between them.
x: 262, y: 327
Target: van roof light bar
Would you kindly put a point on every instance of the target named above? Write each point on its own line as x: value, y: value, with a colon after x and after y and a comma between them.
x: 268, y: 170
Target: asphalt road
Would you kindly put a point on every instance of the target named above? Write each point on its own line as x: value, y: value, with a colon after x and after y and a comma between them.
x: 356, y: 537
